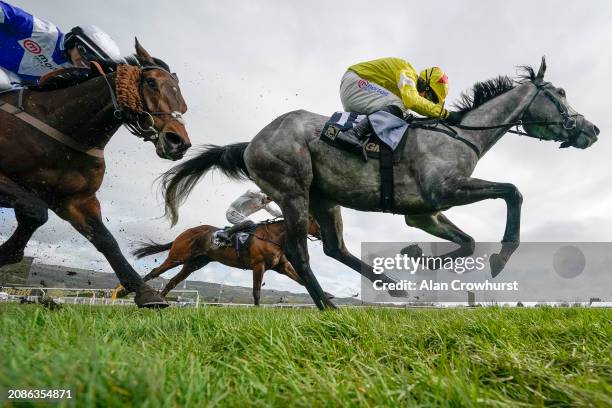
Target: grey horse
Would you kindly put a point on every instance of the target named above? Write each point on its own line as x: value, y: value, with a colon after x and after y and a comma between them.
x: 305, y: 175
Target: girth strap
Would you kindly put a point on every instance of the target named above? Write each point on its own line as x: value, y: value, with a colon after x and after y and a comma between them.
x: 387, y: 192
x: 49, y: 131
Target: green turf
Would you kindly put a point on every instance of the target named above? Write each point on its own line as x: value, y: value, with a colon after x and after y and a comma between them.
x: 121, y: 356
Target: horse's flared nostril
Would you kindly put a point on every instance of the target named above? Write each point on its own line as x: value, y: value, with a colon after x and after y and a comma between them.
x: 596, y: 129
x: 173, y: 139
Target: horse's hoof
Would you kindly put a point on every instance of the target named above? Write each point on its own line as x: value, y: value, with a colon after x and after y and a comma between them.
x: 413, y: 251
x: 497, y: 264
x: 149, y: 298
x: 330, y: 305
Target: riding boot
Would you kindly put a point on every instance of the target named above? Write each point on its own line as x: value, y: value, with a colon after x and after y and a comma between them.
x: 225, y: 234
x: 357, y: 137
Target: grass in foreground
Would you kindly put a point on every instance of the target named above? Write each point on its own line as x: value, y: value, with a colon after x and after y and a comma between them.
x: 121, y: 356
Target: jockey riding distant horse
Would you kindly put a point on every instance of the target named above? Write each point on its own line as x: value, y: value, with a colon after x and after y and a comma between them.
x: 239, y: 210
x: 52, y: 152
x: 196, y: 247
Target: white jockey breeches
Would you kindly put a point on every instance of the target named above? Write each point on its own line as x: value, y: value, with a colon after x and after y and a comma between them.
x: 5, y: 81
x: 362, y: 96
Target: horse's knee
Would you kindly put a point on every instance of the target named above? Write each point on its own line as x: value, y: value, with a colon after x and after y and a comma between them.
x: 514, y: 195
x: 32, y: 211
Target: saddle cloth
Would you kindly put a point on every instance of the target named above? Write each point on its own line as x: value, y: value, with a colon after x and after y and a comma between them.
x: 237, y: 240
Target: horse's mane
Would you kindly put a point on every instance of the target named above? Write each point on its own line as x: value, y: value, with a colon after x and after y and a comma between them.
x: 484, y: 91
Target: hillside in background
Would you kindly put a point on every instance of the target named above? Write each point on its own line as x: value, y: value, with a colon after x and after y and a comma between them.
x: 62, y: 277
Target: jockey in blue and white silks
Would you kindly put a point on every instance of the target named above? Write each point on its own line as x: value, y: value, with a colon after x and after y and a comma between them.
x: 31, y: 47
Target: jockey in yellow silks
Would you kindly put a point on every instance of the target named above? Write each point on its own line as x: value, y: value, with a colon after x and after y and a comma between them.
x: 392, y: 85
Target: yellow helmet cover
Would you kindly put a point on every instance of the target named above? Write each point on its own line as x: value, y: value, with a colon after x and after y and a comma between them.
x: 437, y: 80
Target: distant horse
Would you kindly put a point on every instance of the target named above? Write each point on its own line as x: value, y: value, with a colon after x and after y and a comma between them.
x: 194, y: 249
x: 303, y: 174
x: 52, y: 152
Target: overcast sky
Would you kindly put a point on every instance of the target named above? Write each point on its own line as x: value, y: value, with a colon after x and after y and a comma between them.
x: 243, y: 63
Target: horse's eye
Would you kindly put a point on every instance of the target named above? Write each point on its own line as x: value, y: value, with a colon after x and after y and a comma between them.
x: 561, y: 92
x: 152, y: 84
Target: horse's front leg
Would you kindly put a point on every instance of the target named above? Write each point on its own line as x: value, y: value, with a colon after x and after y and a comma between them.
x: 85, y: 216
x: 470, y: 190
x: 258, y: 273
x: 438, y: 225
x: 284, y: 267
x: 31, y: 212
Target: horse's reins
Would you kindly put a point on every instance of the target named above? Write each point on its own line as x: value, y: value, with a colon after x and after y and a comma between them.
x: 268, y: 233
x: 569, y: 122
x: 266, y: 239
x: 20, y: 113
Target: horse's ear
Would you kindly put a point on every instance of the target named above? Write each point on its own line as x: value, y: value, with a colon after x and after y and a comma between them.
x: 142, y: 54
x: 542, y: 69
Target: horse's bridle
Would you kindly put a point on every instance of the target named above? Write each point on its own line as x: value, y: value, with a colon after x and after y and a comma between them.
x: 569, y: 122
x: 573, y: 123
x: 133, y: 120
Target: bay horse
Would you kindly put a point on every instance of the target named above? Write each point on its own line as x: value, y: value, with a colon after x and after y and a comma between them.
x: 303, y: 174
x: 52, y: 152
x: 194, y: 249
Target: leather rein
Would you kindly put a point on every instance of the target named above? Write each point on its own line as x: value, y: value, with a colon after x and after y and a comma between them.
x: 273, y: 221
x: 573, y: 123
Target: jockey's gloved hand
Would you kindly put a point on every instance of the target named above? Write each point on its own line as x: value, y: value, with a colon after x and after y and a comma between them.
x: 454, y: 118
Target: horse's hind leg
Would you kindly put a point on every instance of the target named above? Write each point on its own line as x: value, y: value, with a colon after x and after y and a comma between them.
x: 155, y: 272
x: 31, y: 212
x: 295, y: 211
x: 121, y: 292
x: 438, y: 225
x: 188, y: 269
x: 329, y: 219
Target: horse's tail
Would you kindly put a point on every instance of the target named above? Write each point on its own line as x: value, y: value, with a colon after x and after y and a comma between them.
x: 146, y: 249
x: 178, y: 182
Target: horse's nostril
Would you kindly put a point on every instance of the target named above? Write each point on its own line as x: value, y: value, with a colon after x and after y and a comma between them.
x: 173, y: 139
x: 596, y: 129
